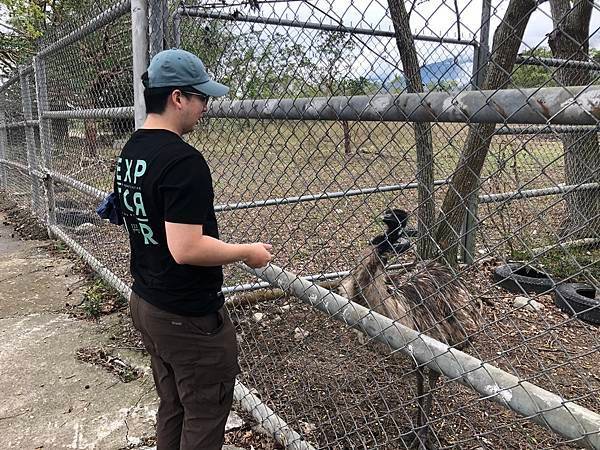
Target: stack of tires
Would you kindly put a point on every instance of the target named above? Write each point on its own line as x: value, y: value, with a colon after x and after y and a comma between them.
x: 576, y: 299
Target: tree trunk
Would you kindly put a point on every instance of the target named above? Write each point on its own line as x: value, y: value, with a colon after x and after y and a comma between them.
x: 569, y: 40
x: 465, y: 180
x: 91, y: 139
x: 347, y: 138
x: 424, y: 175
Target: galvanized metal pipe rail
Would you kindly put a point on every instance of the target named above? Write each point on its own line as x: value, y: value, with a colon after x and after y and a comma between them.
x: 546, y: 129
x: 568, y: 106
x: 139, y: 42
x: 323, y: 196
x: 3, y: 152
x: 21, y: 167
x: 576, y: 105
x: 32, y: 162
x: 80, y: 186
x: 27, y: 70
x: 195, y: 11
x: 530, y: 193
x: 122, y: 112
x: 530, y: 401
x: 46, y: 141
x: 556, y: 62
x: 99, y: 194
x: 21, y: 124
x: 103, y: 19
x: 267, y: 418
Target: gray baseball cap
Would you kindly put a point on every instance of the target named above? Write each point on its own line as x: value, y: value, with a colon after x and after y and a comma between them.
x: 178, y: 68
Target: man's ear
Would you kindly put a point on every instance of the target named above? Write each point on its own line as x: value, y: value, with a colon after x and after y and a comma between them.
x: 175, y: 98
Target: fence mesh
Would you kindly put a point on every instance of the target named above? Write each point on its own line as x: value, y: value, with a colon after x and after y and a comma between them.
x: 318, y: 190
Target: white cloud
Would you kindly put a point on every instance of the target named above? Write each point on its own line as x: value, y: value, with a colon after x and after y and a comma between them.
x: 430, y: 17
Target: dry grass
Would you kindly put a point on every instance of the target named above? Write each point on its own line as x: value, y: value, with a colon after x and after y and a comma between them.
x: 339, y: 392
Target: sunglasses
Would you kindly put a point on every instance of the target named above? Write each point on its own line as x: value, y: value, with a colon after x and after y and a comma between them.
x: 204, y: 98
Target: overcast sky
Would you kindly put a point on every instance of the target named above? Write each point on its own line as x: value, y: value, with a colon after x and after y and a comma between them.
x: 378, y: 56
x: 430, y: 17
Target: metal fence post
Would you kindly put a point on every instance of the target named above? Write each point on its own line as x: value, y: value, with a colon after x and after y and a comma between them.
x: 482, y: 55
x: 176, y: 34
x: 3, y: 152
x: 32, y: 162
x: 139, y: 45
x: 157, y: 26
x: 39, y: 66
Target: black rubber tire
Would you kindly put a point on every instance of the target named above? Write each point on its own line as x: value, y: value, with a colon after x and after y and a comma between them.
x: 579, y: 300
x: 521, y: 278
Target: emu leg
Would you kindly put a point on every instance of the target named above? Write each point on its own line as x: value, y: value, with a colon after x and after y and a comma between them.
x: 425, y: 401
x: 420, y: 390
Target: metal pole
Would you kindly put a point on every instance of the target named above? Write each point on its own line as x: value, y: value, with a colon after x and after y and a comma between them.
x: 124, y: 112
x: 322, y: 196
x: 156, y: 26
x: 21, y: 124
x: 8, y: 83
x: 41, y: 86
x: 530, y: 401
x: 107, y: 17
x: 23, y: 168
x: 482, y: 51
x: 546, y: 129
x: 531, y: 193
x: 567, y: 105
x: 78, y: 185
x: 139, y: 43
x: 556, y: 62
x: 32, y: 162
x: 203, y: 13
x: 177, y: 29
x: 3, y: 151
x: 270, y: 421
x: 483, y: 56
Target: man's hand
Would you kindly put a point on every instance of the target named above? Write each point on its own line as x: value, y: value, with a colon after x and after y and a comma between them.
x: 258, y: 254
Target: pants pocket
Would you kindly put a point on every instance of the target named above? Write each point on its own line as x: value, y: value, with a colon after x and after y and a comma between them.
x: 226, y: 393
x: 133, y: 310
x: 208, y: 325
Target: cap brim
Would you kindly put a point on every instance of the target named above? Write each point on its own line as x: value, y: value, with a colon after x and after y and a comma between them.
x: 212, y: 88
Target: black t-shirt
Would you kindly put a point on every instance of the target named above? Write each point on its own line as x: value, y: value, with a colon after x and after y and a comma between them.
x: 158, y: 178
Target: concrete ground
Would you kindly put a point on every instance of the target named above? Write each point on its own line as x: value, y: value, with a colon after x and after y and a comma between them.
x: 49, y: 399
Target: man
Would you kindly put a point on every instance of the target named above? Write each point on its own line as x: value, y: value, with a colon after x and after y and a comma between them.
x: 165, y: 195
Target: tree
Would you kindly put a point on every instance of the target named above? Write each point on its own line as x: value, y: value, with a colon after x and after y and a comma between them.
x: 570, y: 40
x: 351, y: 87
x: 465, y: 179
x: 424, y: 175
x: 442, y: 85
x: 531, y: 76
x: 28, y: 21
x: 101, y: 78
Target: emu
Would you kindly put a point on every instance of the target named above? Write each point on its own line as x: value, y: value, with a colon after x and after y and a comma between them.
x: 426, y: 298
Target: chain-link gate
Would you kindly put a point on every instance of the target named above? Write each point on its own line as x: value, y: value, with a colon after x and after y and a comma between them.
x: 342, y: 116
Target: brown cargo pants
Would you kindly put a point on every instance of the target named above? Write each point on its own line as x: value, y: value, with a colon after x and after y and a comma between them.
x: 194, y: 364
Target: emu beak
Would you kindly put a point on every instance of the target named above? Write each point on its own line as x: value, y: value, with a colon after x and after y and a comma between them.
x: 402, y: 245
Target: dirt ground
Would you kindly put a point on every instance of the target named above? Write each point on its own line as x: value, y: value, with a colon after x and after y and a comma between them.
x: 66, y: 381
x: 336, y: 389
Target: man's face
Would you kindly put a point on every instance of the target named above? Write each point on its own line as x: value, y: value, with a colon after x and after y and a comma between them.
x: 193, y: 107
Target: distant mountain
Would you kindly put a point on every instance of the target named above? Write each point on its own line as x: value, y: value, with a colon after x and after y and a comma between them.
x: 451, y: 69
x: 457, y: 70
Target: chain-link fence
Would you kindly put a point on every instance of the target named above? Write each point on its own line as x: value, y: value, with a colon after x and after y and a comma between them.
x: 341, y: 114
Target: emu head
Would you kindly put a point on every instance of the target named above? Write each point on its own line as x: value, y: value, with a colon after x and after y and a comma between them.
x: 395, y: 220
x: 384, y: 244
